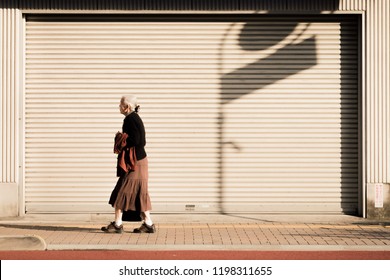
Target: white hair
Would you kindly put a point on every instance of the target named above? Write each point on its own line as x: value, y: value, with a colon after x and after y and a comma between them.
x: 131, y: 101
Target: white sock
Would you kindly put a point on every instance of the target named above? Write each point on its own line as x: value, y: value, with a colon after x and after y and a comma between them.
x: 118, y: 217
x: 148, y: 221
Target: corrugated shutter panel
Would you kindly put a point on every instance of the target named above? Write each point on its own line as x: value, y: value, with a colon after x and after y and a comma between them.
x: 243, y: 114
x: 291, y: 118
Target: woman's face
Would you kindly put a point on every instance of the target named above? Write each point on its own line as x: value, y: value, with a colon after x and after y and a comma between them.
x: 123, y: 108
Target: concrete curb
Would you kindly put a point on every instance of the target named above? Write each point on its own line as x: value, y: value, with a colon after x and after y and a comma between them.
x: 22, y: 243
x: 60, y: 247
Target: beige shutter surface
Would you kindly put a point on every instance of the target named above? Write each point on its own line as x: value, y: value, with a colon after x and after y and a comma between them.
x: 242, y: 114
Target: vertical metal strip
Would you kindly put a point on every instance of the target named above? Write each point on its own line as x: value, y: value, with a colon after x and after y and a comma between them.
x: 384, y: 93
x: 13, y: 93
x: 362, y: 119
x: 379, y: 60
x: 374, y: 93
x: 370, y: 98
x: 387, y: 90
x: 21, y: 114
x: 2, y: 56
x: 6, y: 95
x: 9, y: 74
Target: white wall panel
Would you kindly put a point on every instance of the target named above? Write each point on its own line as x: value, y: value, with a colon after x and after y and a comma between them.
x: 10, y: 73
x: 377, y: 91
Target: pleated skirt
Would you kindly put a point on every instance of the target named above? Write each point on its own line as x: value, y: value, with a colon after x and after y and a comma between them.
x: 131, y: 190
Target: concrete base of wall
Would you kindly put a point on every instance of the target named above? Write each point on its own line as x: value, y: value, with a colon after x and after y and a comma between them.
x: 9, y: 200
x: 378, y: 201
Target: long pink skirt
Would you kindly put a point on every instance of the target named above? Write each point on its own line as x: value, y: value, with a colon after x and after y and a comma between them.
x: 131, y: 190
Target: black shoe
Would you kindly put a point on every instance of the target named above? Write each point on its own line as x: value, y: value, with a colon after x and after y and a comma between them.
x: 144, y: 228
x: 112, y: 227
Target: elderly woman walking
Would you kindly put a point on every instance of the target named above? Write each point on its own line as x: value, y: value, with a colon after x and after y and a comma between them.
x: 131, y: 190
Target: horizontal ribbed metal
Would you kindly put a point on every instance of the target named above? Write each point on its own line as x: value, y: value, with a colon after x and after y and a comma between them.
x: 239, y: 111
x: 193, y: 5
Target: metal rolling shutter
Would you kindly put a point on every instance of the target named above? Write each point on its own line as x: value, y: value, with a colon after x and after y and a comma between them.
x: 243, y: 114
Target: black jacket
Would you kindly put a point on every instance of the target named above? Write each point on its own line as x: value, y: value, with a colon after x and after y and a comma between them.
x: 134, y: 127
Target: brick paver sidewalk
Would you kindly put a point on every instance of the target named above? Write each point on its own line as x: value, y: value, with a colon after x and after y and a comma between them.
x: 207, y: 235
